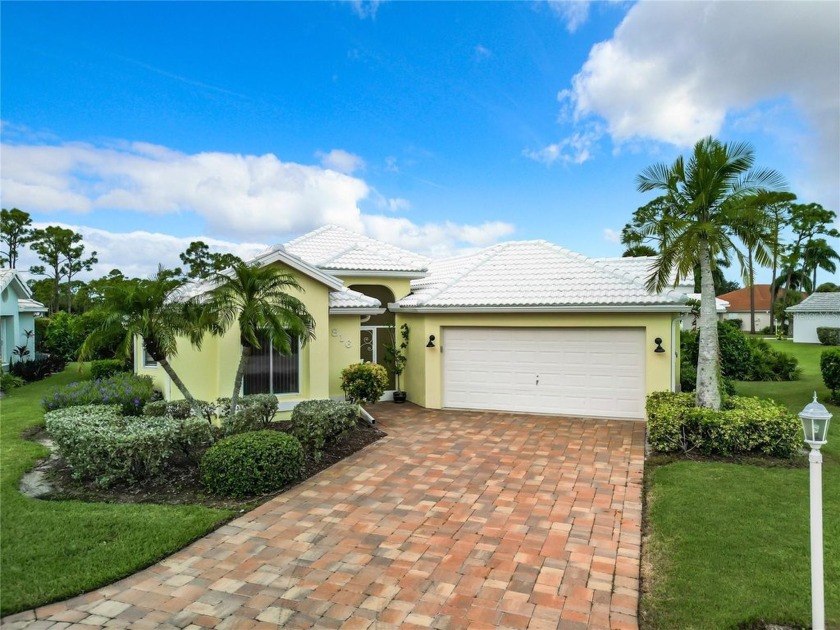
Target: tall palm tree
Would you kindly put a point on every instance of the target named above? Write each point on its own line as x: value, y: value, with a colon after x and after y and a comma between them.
x: 776, y: 206
x: 755, y: 231
x: 818, y: 254
x: 256, y: 299
x: 706, y: 196
x: 154, y: 310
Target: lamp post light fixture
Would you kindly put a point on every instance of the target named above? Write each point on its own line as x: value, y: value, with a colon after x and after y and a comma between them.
x: 815, y: 419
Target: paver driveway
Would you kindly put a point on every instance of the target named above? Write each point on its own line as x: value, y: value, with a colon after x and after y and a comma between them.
x: 456, y: 519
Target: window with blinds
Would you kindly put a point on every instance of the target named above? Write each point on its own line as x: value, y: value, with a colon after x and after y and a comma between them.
x: 270, y: 372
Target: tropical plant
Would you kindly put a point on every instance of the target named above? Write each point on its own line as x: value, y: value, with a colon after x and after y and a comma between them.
x: 775, y: 205
x: 395, y: 354
x: 151, y: 309
x: 818, y: 254
x: 806, y: 221
x: 705, y: 202
x: 257, y: 299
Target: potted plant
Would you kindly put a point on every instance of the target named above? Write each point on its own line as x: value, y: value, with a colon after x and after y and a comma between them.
x: 397, y: 359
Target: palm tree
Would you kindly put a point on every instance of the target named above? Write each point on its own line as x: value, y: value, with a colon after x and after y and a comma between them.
x: 256, y: 299
x: 776, y: 207
x: 153, y: 310
x: 755, y: 231
x: 706, y: 196
x: 818, y: 254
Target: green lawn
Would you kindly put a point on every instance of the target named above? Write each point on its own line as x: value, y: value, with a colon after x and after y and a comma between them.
x: 729, y: 543
x: 50, y: 550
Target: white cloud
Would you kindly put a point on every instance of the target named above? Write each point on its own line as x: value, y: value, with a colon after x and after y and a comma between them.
x: 435, y: 239
x: 391, y: 164
x: 241, y: 195
x: 612, y: 235
x: 366, y: 8
x: 341, y: 161
x: 573, y: 12
x: 482, y: 52
x: 678, y: 71
x: 576, y: 149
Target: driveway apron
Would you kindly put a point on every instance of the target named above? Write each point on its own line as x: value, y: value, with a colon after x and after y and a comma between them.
x: 455, y: 520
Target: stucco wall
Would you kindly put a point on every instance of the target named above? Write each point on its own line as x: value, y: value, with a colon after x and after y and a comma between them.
x: 209, y: 373
x: 762, y: 319
x: 344, y: 348
x: 10, y: 323
x: 805, y: 325
x: 423, y: 370
x: 400, y: 287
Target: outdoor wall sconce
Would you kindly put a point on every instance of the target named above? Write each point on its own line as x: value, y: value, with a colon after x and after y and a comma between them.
x: 431, y: 343
x: 658, y: 342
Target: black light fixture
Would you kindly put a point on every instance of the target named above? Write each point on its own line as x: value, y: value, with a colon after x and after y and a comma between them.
x: 658, y: 342
x: 431, y: 343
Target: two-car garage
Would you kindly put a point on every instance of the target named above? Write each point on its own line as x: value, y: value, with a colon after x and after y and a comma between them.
x: 596, y: 372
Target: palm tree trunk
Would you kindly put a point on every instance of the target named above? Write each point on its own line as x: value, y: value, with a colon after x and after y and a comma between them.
x: 752, y: 293
x: 164, y: 363
x: 773, y: 290
x: 708, y: 363
x: 244, y: 359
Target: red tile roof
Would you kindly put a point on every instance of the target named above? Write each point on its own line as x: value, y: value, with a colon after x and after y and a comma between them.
x: 739, y: 300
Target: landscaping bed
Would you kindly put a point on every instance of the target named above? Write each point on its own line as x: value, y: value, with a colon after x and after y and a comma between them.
x: 181, y: 484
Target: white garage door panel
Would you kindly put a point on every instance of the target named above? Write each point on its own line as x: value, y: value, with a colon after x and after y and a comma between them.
x: 574, y: 371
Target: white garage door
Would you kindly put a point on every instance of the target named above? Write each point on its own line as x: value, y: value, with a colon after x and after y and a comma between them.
x: 571, y: 371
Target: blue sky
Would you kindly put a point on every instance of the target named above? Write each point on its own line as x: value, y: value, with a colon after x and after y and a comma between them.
x: 435, y: 126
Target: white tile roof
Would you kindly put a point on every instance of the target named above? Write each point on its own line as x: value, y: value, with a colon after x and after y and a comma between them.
x: 348, y: 298
x: 334, y: 248
x: 529, y: 274
x: 640, y: 267
x: 818, y: 303
x: 31, y: 306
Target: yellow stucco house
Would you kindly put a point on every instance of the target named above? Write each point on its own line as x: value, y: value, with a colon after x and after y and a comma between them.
x: 520, y: 326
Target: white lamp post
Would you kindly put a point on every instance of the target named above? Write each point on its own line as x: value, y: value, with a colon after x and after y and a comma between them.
x: 815, y: 419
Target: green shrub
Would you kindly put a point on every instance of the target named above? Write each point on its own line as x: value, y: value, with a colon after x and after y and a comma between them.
x: 265, y: 405
x: 743, y: 426
x: 99, y: 443
x: 128, y: 391
x: 768, y: 364
x: 178, y: 409
x: 828, y: 336
x: 37, y: 368
x: 830, y: 368
x: 10, y: 381
x: 364, y: 382
x: 103, y: 368
x: 251, y: 463
x: 767, y: 330
x: 736, y: 323
x: 317, y: 423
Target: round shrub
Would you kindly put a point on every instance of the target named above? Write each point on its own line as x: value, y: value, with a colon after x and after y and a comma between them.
x: 364, y: 382
x: 317, y: 423
x: 251, y: 463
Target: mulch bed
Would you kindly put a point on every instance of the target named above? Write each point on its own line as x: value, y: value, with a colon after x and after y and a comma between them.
x: 180, y: 484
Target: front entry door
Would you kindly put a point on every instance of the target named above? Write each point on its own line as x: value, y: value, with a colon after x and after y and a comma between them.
x: 372, y: 343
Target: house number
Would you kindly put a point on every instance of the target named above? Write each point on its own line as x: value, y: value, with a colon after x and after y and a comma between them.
x: 347, y: 343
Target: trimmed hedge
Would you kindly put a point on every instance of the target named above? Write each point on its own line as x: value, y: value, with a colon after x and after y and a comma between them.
x: 104, y: 368
x: 179, y: 409
x: 364, y: 382
x: 264, y: 408
x: 99, y: 443
x: 744, y: 426
x: 830, y: 368
x: 129, y: 391
x: 251, y: 463
x: 317, y: 423
x: 828, y: 336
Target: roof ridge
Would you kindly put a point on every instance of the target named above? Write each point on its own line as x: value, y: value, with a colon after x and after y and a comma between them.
x: 481, y: 256
x: 624, y: 275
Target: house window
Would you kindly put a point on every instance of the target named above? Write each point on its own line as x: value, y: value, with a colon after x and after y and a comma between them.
x: 148, y: 361
x: 270, y: 372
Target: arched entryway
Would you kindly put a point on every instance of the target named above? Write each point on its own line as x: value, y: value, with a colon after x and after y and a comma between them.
x: 377, y: 331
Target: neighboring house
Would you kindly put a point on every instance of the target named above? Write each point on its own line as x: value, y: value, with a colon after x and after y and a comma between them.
x: 689, y: 321
x: 816, y: 311
x: 521, y: 326
x: 739, y: 306
x: 17, y: 314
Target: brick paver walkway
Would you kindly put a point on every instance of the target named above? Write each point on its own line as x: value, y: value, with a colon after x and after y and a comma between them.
x: 455, y: 520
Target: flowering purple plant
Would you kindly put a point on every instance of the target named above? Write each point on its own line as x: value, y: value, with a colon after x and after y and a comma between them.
x: 128, y: 391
